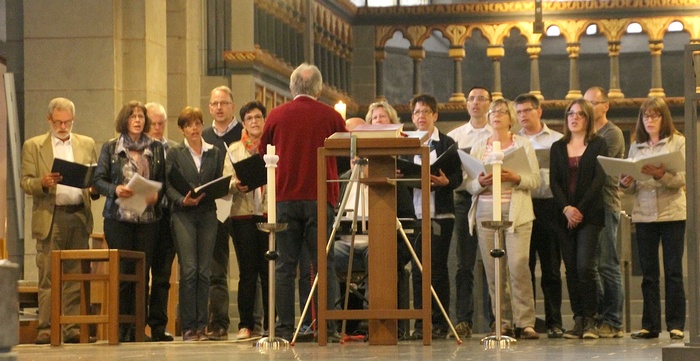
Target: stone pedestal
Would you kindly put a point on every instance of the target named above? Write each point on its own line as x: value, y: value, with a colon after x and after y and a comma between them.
x: 9, y: 315
x: 681, y: 351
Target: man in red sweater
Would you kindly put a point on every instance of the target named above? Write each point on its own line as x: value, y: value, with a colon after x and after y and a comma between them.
x: 297, y: 129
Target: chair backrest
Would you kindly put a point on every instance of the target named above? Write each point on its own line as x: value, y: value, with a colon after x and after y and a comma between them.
x: 3, y: 249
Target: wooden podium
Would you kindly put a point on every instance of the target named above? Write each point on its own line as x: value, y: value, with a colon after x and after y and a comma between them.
x: 383, y: 313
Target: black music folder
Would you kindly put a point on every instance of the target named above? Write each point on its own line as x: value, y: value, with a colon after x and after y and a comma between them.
x: 215, y: 189
x: 251, y: 172
x: 74, y: 174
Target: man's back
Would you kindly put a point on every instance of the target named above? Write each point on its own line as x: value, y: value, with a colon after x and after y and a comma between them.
x: 298, y: 129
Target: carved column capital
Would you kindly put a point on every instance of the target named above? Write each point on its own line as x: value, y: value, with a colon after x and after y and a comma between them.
x: 534, y: 51
x: 495, y: 52
x: 457, y: 53
x: 573, y: 49
x: 416, y: 53
x: 656, y: 46
x: 614, y: 48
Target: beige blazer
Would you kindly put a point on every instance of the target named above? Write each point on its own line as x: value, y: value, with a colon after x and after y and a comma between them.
x: 37, y: 159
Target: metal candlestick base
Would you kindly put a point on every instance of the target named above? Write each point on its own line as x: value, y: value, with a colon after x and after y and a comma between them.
x: 271, y: 227
x: 497, y: 341
x: 272, y: 344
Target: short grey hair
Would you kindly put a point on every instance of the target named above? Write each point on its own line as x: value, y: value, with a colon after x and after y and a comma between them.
x: 156, y: 108
x: 61, y: 104
x: 224, y: 89
x: 306, y: 79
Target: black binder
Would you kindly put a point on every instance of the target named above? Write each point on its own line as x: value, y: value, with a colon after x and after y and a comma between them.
x: 215, y: 189
x: 74, y: 174
x: 251, y: 171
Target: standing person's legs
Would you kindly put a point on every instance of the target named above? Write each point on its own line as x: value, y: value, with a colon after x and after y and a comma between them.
x: 184, y: 235
x: 518, y: 251
x: 146, y: 235
x: 261, y: 266
x: 586, y: 248
x: 244, y: 234
x: 672, y: 243
x: 289, y: 245
x: 161, y: 268
x: 204, y: 251
x: 466, y: 248
x: 610, y: 292
x: 122, y: 235
x: 648, y: 235
x: 544, y: 232
x: 568, y: 245
x: 440, y: 248
x: 219, y: 320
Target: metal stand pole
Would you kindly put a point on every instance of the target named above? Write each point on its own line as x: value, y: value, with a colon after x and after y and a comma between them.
x: 497, y: 341
x: 271, y: 342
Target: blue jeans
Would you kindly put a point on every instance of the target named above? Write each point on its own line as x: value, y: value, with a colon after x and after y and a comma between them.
x: 671, y: 235
x: 467, y: 248
x: 610, y: 292
x: 302, y: 229
x: 578, y: 251
x: 194, y: 234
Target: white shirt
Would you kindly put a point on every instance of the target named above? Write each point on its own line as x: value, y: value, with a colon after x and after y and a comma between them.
x: 466, y: 136
x: 65, y: 195
x: 198, y: 157
x: 418, y: 194
x: 542, y: 140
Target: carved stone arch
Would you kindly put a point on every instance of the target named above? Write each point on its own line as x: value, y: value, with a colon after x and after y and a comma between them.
x: 655, y: 28
x: 417, y: 34
x: 571, y: 30
x: 495, y: 33
x: 526, y: 31
x: 382, y: 34
x: 691, y: 24
x: 613, y: 29
x: 456, y: 34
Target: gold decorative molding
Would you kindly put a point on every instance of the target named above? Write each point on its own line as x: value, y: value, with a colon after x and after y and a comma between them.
x: 533, y: 50
x: 614, y: 48
x: 655, y: 47
x: 573, y: 49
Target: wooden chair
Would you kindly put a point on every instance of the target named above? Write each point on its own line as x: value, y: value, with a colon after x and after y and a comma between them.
x: 3, y: 249
x: 111, y: 279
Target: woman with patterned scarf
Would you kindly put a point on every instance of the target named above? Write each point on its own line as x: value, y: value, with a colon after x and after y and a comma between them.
x: 247, y: 209
x: 132, y: 152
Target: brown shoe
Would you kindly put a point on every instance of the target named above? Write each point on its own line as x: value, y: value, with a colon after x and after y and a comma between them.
x: 44, y: 338
x: 529, y: 333
x: 218, y: 334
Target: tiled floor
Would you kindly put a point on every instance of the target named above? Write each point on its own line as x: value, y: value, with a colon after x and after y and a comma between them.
x: 471, y: 349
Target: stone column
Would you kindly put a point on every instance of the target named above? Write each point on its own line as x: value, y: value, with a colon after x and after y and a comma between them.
x: 416, y: 53
x: 614, y: 52
x: 533, y: 51
x: 655, y: 47
x: 457, y: 53
x: 574, y: 88
x: 379, y: 56
x: 496, y: 53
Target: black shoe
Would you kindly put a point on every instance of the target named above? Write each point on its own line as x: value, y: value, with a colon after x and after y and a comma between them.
x: 44, y: 338
x: 555, y: 332
x: 159, y: 335
x: 643, y: 334
x: 127, y: 334
x: 439, y: 333
x: 76, y: 339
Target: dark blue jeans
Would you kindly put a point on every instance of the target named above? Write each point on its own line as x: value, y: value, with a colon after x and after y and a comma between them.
x: 467, y: 248
x: 161, y: 268
x: 439, y: 248
x: 671, y: 235
x: 251, y: 245
x: 302, y: 228
x: 611, y: 295
x: 578, y: 250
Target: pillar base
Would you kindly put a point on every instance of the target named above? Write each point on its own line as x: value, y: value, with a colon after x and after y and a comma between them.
x: 680, y: 351
x: 573, y: 94
x: 537, y: 94
x: 657, y: 92
x: 458, y: 98
x: 496, y: 95
x: 615, y: 94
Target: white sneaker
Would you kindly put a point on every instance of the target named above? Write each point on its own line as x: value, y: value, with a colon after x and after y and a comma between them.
x: 243, y: 334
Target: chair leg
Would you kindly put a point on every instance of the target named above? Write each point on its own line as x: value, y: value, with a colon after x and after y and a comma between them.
x: 56, y: 301
x: 113, y: 294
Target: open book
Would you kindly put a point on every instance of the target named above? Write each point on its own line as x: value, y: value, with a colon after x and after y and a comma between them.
x: 142, y: 188
x: 74, y: 174
x: 515, y: 159
x: 215, y: 189
x: 675, y: 162
x: 378, y: 131
x: 412, y: 170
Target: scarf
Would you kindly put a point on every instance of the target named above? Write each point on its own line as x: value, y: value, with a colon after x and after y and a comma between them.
x: 250, y: 145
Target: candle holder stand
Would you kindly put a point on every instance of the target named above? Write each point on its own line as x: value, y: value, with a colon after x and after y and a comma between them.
x: 271, y: 342
x: 497, y: 341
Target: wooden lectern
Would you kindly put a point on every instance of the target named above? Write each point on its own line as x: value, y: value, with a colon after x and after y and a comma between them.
x: 383, y: 313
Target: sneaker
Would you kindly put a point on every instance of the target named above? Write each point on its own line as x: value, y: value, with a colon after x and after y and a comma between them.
x: 161, y: 335
x: 190, y: 335
x: 243, y: 334
x: 590, y: 329
x: 676, y: 334
x: 202, y: 336
x: 218, y: 334
x: 644, y: 334
x: 439, y: 333
x: 607, y: 331
x: 577, y: 331
x: 463, y: 330
x: 555, y: 332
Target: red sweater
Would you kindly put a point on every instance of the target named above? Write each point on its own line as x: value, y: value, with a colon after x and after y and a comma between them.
x: 297, y: 129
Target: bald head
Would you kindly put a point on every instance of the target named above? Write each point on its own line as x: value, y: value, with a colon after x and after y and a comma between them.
x: 351, y: 123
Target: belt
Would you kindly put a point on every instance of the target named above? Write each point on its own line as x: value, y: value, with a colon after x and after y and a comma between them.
x: 71, y: 208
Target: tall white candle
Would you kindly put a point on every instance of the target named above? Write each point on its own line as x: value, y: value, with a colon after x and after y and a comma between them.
x: 271, y: 163
x: 496, y: 183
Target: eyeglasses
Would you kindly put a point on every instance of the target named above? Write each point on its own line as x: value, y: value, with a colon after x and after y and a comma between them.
x: 498, y: 111
x: 652, y: 117
x: 250, y: 118
x: 478, y: 99
x: 62, y: 123
x: 217, y: 104
x: 422, y: 112
x: 524, y: 111
x: 579, y: 114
